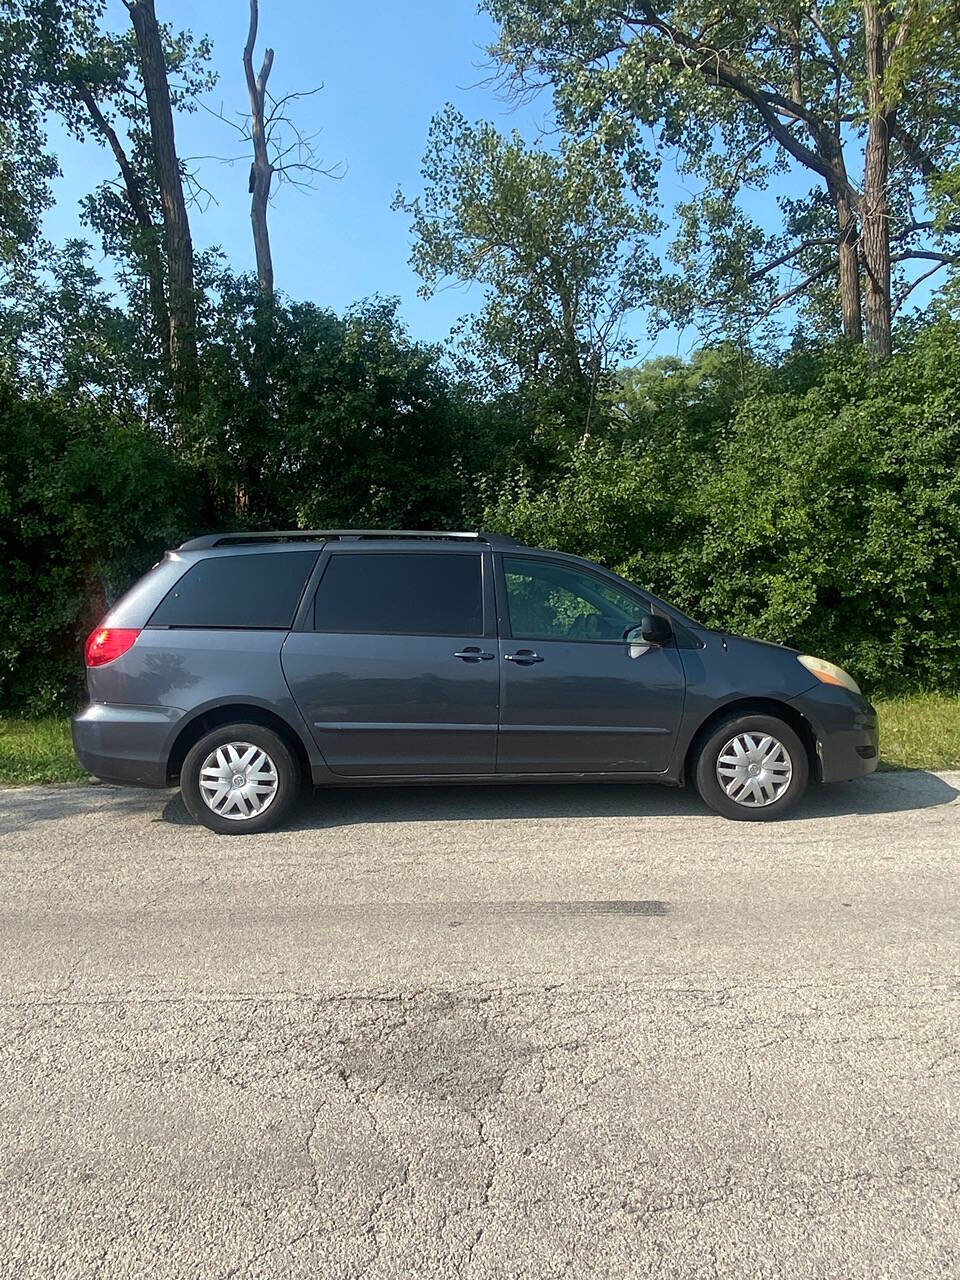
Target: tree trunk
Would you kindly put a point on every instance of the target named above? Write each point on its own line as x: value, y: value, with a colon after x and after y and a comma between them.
x: 149, y: 249
x: 851, y: 315
x: 261, y: 171
x: 874, y: 213
x: 176, y: 225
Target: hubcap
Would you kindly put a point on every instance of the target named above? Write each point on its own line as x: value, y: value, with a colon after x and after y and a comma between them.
x: 238, y: 780
x: 754, y: 769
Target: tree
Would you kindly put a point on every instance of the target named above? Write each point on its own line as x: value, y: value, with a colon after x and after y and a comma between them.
x: 261, y: 171
x: 279, y: 147
x: 179, y: 245
x: 101, y: 94
x: 555, y: 241
x: 147, y: 240
x: 61, y: 331
x: 88, y: 501
x: 860, y: 96
x: 68, y: 65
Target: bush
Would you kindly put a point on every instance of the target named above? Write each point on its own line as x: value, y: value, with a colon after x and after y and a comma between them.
x: 87, y: 504
x: 834, y: 520
x: 316, y: 420
x: 824, y: 512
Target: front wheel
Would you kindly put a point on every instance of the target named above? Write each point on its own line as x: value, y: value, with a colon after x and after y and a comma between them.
x: 752, y: 768
x: 240, y: 779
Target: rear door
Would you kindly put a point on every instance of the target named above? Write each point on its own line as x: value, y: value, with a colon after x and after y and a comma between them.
x: 576, y: 696
x: 397, y: 671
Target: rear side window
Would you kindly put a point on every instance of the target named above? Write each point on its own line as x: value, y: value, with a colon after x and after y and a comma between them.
x: 253, y: 591
x: 401, y: 593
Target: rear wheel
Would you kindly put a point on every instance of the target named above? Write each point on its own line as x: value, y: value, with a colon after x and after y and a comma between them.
x: 240, y: 779
x: 752, y: 768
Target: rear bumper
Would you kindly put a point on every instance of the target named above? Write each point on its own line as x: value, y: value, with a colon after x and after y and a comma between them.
x: 848, y: 744
x: 125, y: 744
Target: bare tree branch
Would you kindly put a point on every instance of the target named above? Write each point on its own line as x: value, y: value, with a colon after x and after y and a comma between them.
x: 804, y: 284
x: 928, y: 255
x: 925, y: 275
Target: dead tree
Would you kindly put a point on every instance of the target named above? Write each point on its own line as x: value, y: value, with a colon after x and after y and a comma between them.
x: 261, y: 170
x: 280, y: 149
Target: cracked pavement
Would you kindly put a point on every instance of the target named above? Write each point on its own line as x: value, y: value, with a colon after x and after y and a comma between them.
x: 499, y: 1032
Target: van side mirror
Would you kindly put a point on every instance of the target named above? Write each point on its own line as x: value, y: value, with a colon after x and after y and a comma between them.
x: 655, y: 630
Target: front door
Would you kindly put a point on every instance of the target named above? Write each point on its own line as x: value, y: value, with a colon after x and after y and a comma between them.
x: 398, y: 675
x: 576, y: 696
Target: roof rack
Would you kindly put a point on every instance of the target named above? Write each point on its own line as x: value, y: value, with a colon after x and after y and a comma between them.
x: 209, y: 540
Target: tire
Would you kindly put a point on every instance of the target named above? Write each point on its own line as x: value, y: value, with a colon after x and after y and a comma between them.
x: 769, y: 782
x: 272, y: 765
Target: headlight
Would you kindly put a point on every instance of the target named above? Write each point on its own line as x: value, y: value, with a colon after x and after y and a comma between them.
x: 828, y: 672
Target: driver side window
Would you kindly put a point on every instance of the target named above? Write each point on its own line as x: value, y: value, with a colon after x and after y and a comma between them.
x: 551, y: 602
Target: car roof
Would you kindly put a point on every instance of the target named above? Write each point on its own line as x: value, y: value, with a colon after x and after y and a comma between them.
x: 277, y: 539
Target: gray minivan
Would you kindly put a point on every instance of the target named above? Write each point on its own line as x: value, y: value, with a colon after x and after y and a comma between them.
x: 244, y: 664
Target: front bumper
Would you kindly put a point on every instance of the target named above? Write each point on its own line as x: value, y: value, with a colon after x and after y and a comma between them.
x: 845, y: 724
x: 125, y: 744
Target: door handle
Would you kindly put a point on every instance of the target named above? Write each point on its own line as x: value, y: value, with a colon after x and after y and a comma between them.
x: 473, y: 654
x: 523, y: 657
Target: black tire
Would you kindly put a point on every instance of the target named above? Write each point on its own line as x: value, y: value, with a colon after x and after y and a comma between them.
x: 286, y: 766
x: 713, y: 793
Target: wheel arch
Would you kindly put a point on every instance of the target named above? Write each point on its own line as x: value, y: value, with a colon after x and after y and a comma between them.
x: 233, y: 713
x: 755, y: 706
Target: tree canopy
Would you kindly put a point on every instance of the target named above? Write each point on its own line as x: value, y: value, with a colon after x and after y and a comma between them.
x: 861, y: 98
x: 557, y: 244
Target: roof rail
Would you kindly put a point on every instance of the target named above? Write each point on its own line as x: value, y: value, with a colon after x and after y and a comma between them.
x: 209, y: 540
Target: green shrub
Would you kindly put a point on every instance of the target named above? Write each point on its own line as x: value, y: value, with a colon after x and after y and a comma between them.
x: 823, y: 512
x: 834, y: 520
x: 87, y: 504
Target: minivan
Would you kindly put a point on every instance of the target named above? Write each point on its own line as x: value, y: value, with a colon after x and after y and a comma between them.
x: 244, y: 665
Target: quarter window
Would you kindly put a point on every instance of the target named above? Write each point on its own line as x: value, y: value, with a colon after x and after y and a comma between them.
x: 401, y: 593
x: 259, y: 591
x: 551, y: 602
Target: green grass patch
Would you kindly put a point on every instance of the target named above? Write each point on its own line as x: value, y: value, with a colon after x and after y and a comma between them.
x: 37, y: 751
x: 917, y: 732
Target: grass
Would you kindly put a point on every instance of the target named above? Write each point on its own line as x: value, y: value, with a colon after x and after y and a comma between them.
x: 37, y: 751
x: 917, y: 732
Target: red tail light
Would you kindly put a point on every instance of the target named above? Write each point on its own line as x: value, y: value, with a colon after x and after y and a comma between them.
x: 104, y: 644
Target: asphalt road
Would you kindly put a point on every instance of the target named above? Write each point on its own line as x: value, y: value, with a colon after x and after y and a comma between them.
x: 530, y: 1032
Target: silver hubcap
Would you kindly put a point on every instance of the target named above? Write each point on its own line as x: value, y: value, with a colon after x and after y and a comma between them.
x: 754, y: 769
x: 238, y: 780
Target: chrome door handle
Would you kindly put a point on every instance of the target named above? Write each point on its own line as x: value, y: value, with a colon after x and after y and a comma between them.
x: 523, y: 657
x: 473, y: 654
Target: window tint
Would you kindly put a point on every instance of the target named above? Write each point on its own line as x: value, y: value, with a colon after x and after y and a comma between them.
x: 551, y: 602
x: 238, y: 591
x: 401, y: 593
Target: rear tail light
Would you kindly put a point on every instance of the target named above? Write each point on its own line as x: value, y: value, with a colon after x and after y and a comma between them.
x: 104, y: 644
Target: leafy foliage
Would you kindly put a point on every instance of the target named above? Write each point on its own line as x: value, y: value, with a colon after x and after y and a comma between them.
x: 556, y: 242
x: 860, y: 98
x: 87, y: 503
x: 312, y: 418
x: 822, y: 511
